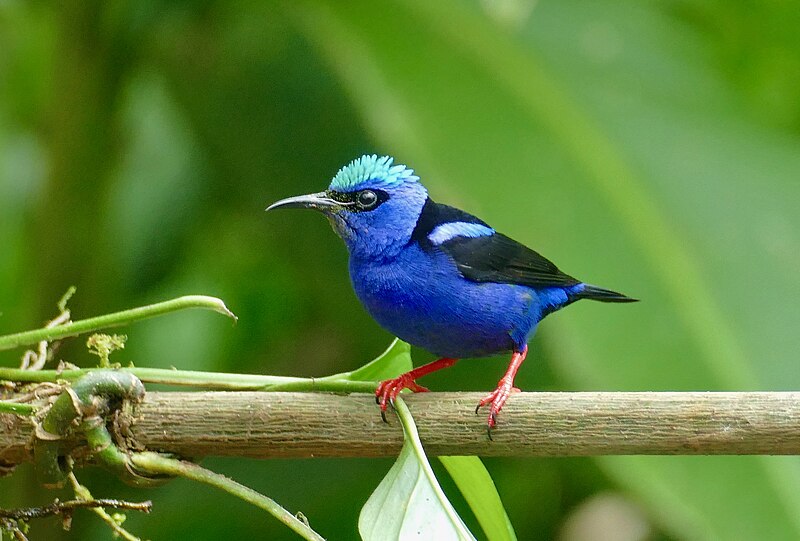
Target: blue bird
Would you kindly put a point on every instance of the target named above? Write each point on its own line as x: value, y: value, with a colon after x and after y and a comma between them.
x: 438, y: 277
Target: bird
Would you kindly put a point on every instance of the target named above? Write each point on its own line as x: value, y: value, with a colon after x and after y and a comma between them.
x: 438, y: 277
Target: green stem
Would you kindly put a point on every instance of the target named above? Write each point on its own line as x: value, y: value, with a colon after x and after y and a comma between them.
x: 337, y: 383
x: 17, y: 409
x: 209, y: 380
x: 27, y: 338
x: 155, y: 464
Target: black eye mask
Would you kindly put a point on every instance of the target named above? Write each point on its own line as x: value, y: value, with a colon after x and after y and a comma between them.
x: 360, y: 201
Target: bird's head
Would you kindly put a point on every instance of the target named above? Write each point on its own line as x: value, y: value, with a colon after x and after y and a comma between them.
x: 371, y: 203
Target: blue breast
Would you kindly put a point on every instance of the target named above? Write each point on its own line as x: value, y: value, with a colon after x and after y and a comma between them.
x: 421, y: 297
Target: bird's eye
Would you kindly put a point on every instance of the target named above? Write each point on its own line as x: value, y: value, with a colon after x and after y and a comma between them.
x: 367, y: 199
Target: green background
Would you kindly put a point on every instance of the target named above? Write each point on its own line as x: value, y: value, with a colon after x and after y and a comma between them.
x: 649, y: 147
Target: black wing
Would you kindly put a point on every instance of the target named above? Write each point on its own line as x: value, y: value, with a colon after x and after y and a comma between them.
x: 497, y: 258
x: 494, y: 258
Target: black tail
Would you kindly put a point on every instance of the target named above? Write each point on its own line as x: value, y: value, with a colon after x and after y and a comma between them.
x: 603, y: 295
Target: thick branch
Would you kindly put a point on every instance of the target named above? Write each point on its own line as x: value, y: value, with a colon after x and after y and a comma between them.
x: 269, y: 425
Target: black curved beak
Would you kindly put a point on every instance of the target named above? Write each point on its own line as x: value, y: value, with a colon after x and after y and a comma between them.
x: 318, y: 201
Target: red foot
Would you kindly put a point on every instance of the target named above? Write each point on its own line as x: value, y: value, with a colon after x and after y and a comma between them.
x: 388, y: 390
x: 505, y: 387
x: 498, y: 399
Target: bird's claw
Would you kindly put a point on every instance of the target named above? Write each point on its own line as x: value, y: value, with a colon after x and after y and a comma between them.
x: 390, y: 389
x: 497, y: 399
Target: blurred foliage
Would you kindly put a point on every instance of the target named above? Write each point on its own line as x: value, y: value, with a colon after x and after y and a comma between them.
x: 651, y: 147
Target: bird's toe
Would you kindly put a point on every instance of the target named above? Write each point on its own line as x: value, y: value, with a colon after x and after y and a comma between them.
x: 495, y: 400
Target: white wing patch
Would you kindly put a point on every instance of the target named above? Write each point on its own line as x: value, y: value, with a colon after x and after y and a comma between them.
x: 444, y: 232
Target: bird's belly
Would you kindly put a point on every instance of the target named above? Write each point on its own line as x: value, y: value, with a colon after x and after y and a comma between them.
x: 434, y: 307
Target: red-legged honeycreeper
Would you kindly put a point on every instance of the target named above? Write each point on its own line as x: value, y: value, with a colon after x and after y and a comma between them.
x: 438, y: 277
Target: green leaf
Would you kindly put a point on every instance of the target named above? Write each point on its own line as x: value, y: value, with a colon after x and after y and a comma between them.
x: 630, y: 161
x: 391, y: 363
x: 477, y: 487
x: 409, y: 503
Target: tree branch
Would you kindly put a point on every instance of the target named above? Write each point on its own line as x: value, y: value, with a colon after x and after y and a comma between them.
x: 272, y: 425
x: 67, y: 507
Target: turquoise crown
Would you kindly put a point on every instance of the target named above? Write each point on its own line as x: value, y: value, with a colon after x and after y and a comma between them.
x: 378, y: 170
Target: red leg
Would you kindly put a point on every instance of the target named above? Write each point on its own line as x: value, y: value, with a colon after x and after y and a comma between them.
x: 389, y: 389
x: 504, y: 389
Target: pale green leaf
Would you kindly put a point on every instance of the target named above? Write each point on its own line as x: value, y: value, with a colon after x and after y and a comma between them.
x: 409, y: 503
x: 477, y: 487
